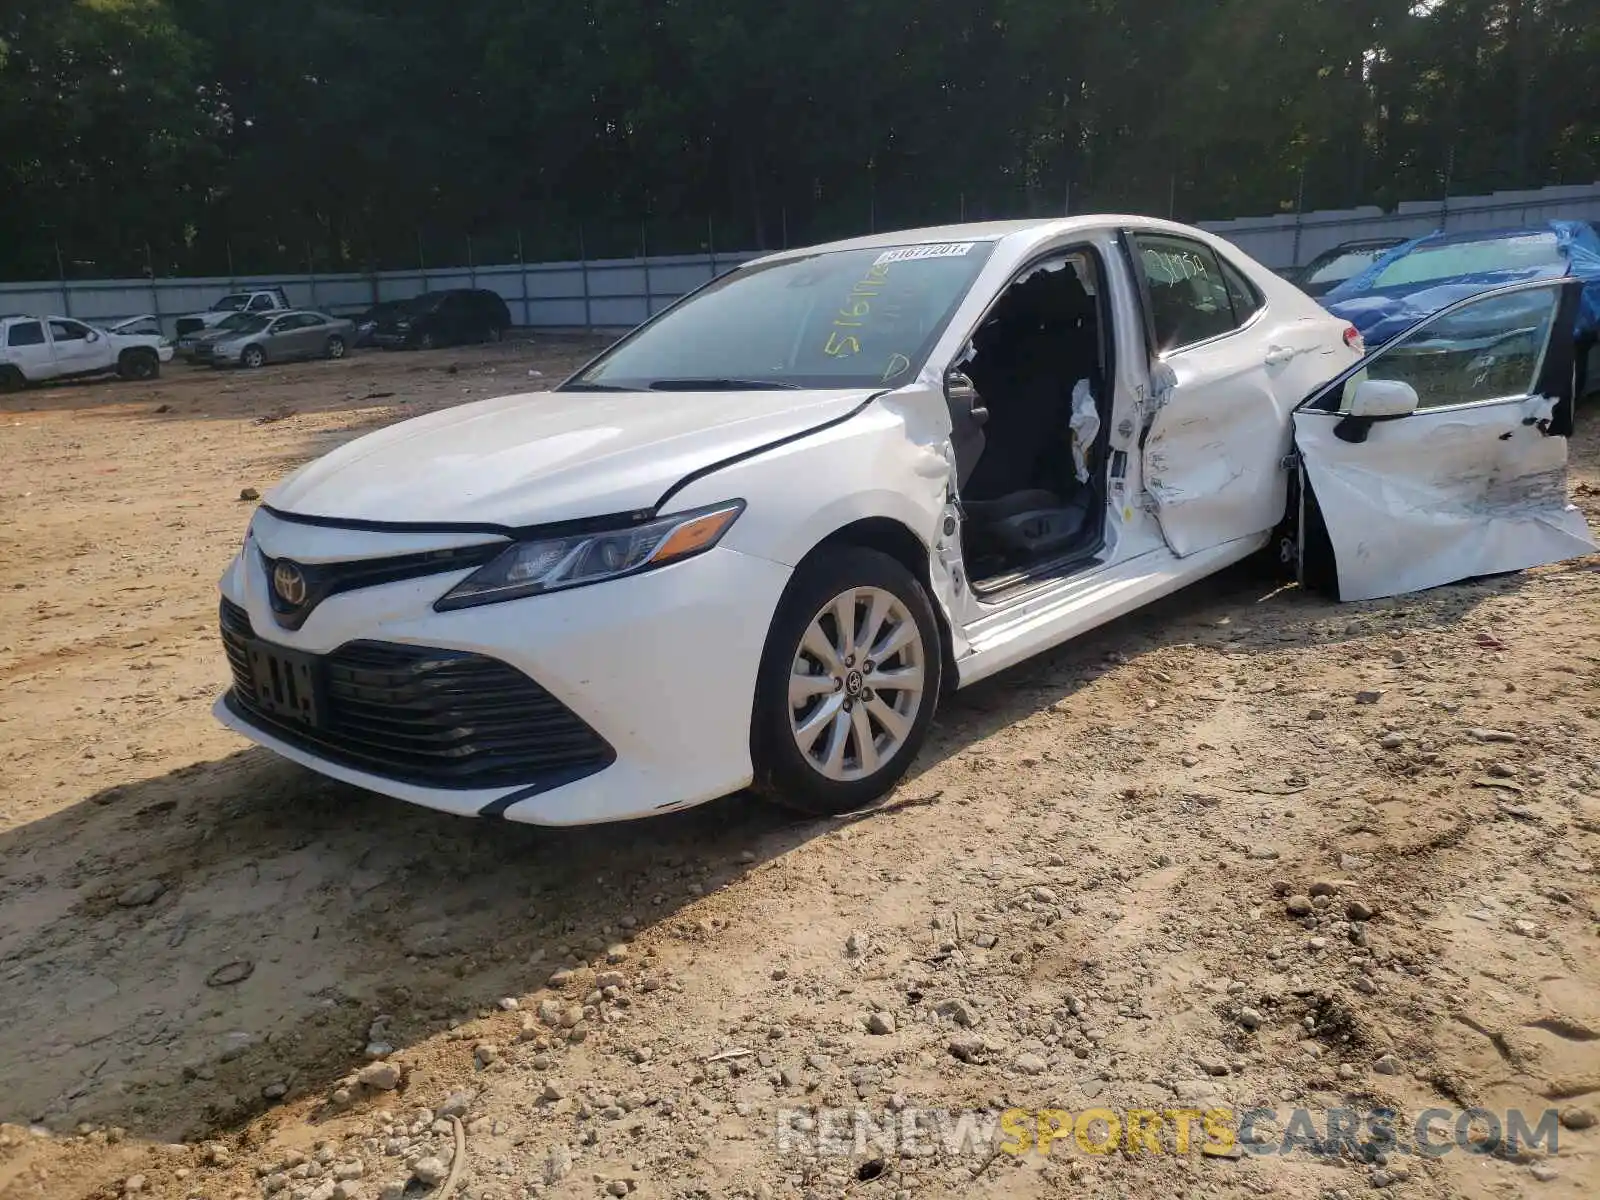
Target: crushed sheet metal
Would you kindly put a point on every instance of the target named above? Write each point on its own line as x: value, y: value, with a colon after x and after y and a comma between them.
x: 1440, y: 497
x: 928, y: 438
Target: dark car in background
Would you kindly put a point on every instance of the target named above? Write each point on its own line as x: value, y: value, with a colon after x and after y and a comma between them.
x: 367, y: 323
x: 1345, y: 261
x: 451, y: 318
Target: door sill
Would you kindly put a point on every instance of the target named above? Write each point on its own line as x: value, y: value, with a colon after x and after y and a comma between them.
x: 999, y: 590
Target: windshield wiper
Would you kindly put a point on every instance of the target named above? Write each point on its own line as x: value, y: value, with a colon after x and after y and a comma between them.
x: 721, y: 385
x: 580, y: 386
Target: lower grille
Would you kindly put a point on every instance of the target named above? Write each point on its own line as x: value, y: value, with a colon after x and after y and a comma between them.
x: 440, y: 718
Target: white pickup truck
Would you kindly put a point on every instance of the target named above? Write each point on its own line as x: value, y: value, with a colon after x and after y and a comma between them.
x: 257, y: 300
x: 36, y: 349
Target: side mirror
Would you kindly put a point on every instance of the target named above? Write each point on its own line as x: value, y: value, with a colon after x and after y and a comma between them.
x: 91, y: 336
x: 1383, y: 398
x: 962, y: 396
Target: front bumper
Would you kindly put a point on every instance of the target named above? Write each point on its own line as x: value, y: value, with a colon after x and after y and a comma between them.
x: 391, y: 341
x: 661, y: 666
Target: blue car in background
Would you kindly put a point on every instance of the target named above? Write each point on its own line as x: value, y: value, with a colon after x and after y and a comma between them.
x: 1421, y: 277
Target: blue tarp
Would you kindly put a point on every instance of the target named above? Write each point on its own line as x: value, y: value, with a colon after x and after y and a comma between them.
x: 1382, y: 313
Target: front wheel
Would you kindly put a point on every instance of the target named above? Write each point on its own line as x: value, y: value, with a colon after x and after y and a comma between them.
x: 848, y: 683
x: 427, y: 342
x: 336, y: 347
x: 12, y: 380
x: 253, y: 357
x: 139, y: 364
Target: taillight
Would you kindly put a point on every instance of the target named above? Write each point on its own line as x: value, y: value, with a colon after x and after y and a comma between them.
x: 1352, y: 339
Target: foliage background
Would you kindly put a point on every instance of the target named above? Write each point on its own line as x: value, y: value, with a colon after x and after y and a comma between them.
x: 212, y: 136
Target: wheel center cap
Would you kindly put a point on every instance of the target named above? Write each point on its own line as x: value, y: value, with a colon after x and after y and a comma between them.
x: 853, y: 683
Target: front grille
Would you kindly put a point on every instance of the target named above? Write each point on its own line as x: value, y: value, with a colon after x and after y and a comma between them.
x: 331, y: 579
x: 441, y: 718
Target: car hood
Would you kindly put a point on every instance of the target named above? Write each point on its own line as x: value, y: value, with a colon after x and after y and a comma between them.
x: 210, y: 335
x: 548, y: 456
x: 1382, y: 314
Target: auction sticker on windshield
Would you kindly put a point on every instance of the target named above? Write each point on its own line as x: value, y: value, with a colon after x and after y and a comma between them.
x: 913, y: 253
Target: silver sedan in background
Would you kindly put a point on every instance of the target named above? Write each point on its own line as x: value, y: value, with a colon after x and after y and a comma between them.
x: 280, y: 337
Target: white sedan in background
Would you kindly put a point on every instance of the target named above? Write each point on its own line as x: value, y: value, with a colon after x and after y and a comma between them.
x: 756, y: 540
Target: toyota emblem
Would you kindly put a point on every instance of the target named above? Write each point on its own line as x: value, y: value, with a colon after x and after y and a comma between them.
x: 289, y: 582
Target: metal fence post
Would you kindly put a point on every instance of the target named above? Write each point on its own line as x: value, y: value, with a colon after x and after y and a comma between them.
x: 155, y: 293
x: 527, y: 309
x: 711, y: 245
x: 422, y: 264
x: 644, y: 257
x: 311, y: 274
x: 583, y: 261
x: 1299, y: 215
x: 472, y: 267
x: 61, y: 274
x: 231, y: 283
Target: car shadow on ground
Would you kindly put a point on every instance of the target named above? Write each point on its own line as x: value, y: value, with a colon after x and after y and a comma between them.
x: 176, y: 949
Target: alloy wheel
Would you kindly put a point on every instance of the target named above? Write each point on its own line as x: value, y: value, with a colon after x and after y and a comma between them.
x: 856, y: 683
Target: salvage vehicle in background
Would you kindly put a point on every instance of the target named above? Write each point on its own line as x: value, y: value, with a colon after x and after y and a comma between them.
x: 1345, y: 261
x: 367, y: 323
x: 1423, y: 276
x: 278, y: 338
x: 452, y: 318
x: 258, y: 300
x: 758, y: 538
x: 38, y: 349
x: 189, y: 344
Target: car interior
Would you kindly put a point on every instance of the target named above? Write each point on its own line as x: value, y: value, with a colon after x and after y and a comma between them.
x: 1031, y: 466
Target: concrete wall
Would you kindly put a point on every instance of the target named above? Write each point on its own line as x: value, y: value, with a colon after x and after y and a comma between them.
x: 620, y: 293
x: 612, y: 294
x: 1290, y: 240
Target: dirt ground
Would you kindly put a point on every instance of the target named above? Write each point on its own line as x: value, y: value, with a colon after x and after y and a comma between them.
x: 1247, y: 849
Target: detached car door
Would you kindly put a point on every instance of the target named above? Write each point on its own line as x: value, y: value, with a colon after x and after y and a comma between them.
x: 1443, y: 455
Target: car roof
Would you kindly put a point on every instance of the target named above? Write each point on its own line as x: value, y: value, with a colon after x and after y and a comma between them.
x: 1489, y: 235
x: 1041, y: 229
x: 1364, y: 244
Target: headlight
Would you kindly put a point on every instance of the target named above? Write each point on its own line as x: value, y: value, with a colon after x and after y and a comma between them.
x: 554, y: 563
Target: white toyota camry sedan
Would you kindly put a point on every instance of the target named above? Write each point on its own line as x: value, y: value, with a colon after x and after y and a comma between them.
x: 757, y: 539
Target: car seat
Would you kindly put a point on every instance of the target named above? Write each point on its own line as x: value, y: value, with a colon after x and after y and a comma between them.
x: 1041, y: 342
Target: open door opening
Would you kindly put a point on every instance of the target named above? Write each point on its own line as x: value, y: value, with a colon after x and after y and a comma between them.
x: 1031, y: 464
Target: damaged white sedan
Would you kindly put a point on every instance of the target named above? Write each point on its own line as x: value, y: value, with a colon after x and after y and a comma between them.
x: 756, y: 540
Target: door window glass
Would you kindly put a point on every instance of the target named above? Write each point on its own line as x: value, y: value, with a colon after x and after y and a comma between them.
x: 1491, y: 349
x: 26, y: 333
x: 1189, y: 299
x: 260, y: 304
x: 68, y: 331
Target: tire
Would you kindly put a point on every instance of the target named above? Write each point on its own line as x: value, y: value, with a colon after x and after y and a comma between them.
x: 427, y: 341
x: 336, y: 347
x: 138, y: 364
x: 252, y: 357
x: 12, y: 380
x: 496, y: 334
x: 832, y: 776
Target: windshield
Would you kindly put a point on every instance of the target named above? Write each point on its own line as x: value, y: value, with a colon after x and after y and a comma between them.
x: 1339, y: 265
x: 231, y: 303
x: 239, y: 321
x: 1471, y: 258
x: 846, y: 318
